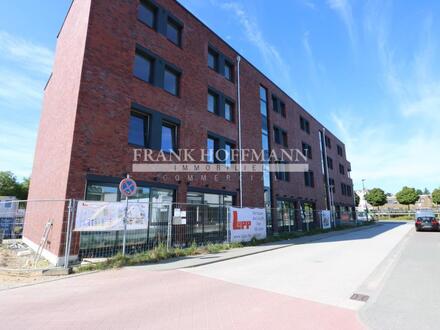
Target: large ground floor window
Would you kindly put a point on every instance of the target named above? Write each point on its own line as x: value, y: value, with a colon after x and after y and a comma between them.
x: 105, y: 243
x: 207, y: 216
x: 286, y: 215
x: 308, y: 214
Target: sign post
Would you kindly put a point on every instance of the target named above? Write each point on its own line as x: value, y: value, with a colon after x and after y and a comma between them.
x: 128, y: 188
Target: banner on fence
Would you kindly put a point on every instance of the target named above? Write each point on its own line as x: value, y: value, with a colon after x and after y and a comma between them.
x: 246, y: 223
x: 104, y: 216
x: 326, y: 218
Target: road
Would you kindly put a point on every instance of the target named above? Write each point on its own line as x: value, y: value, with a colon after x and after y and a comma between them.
x: 305, y: 286
x: 409, y: 297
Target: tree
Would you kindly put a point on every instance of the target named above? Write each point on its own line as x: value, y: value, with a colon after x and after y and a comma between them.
x: 9, y: 186
x: 426, y: 191
x: 436, y: 196
x: 419, y: 192
x: 407, y: 196
x: 376, y: 197
x: 357, y: 199
x: 23, y: 189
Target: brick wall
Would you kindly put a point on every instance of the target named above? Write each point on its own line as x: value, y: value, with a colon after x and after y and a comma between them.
x: 84, y: 126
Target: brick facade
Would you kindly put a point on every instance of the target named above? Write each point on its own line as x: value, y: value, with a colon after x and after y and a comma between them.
x: 85, y: 120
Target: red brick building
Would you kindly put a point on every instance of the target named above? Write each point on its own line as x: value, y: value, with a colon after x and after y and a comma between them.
x: 148, y: 74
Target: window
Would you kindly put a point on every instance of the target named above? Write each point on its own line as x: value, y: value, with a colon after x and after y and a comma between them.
x: 330, y: 163
x: 143, y: 67
x: 281, y: 173
x: 331, y: 182
x: 328, y: 142
x: 307, y: 150
x: 276, y: 134
x: 169, y: 137
x: 174, y: 31
x: 212, y: 102
x: 280, y: 136
x: 341, y: 169
x: 171, y: 81
x: 228, y: 154
x: 275, y: 104
x: 283, y: 109
x: 210, y: 147
x: 229, y: 111
x: 309, y: 180
x: 212, y: 59
x: 229, y: 69
x: 305, y: 125
x: 147, y: 14
x: 138, y: 130
x: 7, y: 204
x: 284, y: 138
x: 340, y: 151
x: 102, y: 192
x: 343, y: 189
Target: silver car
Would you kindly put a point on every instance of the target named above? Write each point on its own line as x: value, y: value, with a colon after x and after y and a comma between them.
x: 426, y: 220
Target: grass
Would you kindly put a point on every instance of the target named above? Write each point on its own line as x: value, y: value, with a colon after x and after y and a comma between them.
x: 161, y: 252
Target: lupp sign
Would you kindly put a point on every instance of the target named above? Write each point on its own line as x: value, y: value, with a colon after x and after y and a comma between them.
x: 128, y: 187
x: 246, y: 223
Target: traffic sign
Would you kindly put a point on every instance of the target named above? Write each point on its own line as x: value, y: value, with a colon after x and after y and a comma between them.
x: 128, y: 187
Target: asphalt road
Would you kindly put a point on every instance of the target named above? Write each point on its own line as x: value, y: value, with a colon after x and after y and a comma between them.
x: 409, y: 296
x: 305, y: 286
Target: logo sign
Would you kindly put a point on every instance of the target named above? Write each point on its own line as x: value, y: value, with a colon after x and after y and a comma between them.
x: 246, y: 223
x: 128, y: 187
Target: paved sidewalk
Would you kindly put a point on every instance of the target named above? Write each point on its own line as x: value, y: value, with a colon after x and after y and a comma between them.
x: 206, y: 259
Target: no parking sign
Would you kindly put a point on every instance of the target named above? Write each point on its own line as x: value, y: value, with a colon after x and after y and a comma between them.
x: 128, y: 187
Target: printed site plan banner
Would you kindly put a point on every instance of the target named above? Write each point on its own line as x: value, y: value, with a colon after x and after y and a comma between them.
x: 246, y: 223
x: 104, y: 216
x: 326, y: 219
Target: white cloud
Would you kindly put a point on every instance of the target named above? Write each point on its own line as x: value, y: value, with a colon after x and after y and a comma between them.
x: 399, y: 145
x: 17, y: 144
x: 24, y: 69
x: 25, y: 53
x: 278, y: 68
x: 344, y: 10
x: 309, y: 3
x: 19, y: 90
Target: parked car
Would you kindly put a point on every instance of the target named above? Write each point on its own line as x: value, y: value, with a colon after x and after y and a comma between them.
x: 426, y: 220
x: 362, y: 216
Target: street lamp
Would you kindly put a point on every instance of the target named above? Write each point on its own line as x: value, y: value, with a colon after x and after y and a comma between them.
x: 364, y: 193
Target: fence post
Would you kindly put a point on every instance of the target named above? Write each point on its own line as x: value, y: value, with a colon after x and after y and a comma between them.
x: 68, y: 234
x: 228, y: 219
x: 169, y: 229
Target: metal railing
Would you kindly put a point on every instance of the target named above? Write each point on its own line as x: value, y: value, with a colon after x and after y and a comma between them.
x: 171, y: 224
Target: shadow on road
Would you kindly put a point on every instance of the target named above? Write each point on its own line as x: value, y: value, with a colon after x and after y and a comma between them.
x: 364, y: 233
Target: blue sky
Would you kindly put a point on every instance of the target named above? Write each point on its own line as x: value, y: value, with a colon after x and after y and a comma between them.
x: 368, y: 70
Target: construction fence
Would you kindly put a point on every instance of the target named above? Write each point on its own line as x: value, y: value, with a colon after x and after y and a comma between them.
x: 90, y: 229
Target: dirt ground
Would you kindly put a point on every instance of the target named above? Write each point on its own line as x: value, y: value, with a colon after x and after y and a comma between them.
x: 18, y: 270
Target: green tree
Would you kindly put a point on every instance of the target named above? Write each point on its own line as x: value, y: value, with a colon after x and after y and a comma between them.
x: 23, y: 189
x: 419, y: 192
x: 357, y: 199
x: 436, y: 196
x: 426, y: 191
x: 9, y: 186
x: 376, y: 197
x: 407, y: 196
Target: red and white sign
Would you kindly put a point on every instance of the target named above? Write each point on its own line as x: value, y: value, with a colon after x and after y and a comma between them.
x: 128, y: 187
x: 246, y: 223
